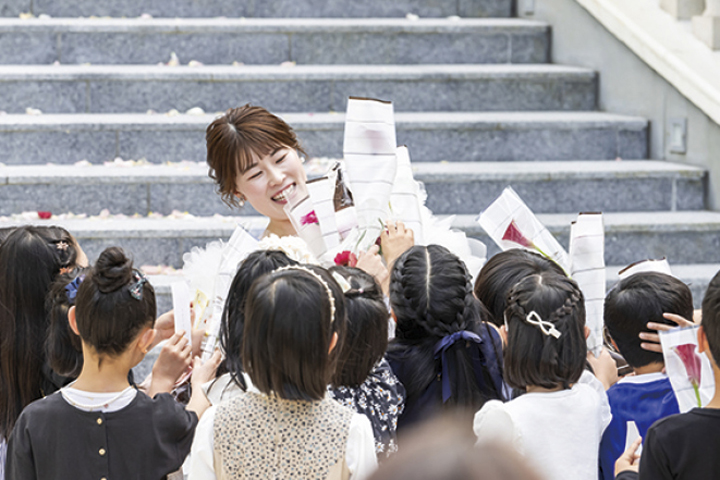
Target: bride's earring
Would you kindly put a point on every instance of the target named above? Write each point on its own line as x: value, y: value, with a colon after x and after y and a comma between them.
x: 240, y: 199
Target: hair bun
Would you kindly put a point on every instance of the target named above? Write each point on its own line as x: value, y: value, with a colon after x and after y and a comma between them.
x: 113, y: 270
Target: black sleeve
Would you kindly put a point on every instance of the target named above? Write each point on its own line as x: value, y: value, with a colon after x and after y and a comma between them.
x: 654, y: 464
x: 177, y: 424
x: 20, y: 464
x: 627, y: 475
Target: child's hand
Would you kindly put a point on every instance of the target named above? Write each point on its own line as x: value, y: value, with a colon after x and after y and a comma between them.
x: 604, y: 367
x: 395, y: 240
x: 652, y: 340
x: 174, y: 359
x: 371, y: 263
x: 629, y: 460
x: 203, y: 372
x: 164, y: 326
x: 198, y: 335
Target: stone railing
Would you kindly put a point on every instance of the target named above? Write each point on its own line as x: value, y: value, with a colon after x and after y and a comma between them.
x: 705, y: 15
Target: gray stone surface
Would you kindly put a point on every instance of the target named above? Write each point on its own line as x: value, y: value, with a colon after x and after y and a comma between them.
x: 13, y: 8
x: 49, y: 96
x: 497, y: 136
x: 112, y: 89
x: 222, y: 48
x: 273, y: 8
x: 61, y: 147
x: 273, y: 41
x: 28, y: 47
x: 127, y: 199
x: 550, y: 187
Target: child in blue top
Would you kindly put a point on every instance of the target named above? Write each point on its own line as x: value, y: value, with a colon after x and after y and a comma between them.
x: 647, y: 396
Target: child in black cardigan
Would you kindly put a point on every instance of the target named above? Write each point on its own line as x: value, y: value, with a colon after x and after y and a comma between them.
x: 100, y: 427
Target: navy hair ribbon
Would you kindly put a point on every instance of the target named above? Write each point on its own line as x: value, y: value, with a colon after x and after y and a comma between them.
x: 441, y: 347
x: 72, y: 287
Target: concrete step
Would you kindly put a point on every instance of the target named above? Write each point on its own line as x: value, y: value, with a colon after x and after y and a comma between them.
x: 273, y: 41
x: 550, y: 187
x: 254, y: 8
x: 682, y: 237
x: 696, y: 276
x: 302, y: 88
x: 455, y: 137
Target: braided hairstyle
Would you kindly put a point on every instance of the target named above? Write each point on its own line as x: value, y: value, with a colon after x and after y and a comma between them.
x: 30, y: 259
x: 531, y: 356
x: 431, y: 296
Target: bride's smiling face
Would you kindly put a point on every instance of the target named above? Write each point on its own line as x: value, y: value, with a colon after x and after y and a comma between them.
x: 269, y: 181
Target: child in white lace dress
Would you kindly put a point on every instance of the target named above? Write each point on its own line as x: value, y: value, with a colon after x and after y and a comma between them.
x: 558, y: 423
x: 285, y: 425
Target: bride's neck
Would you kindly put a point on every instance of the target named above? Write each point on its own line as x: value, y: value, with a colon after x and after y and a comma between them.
x: 280, y: 228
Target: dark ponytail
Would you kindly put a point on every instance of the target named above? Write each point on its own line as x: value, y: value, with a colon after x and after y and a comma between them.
x: 114, y: 303
x: 432, y: 297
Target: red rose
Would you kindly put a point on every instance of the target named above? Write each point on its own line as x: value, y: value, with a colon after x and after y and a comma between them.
x: 346, y: 259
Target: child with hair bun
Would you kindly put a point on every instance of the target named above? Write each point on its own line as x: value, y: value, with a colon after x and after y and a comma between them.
x: 285, y: 425
x: 363, y: 379
x: 100, y: 426
x: 443, y: 353
x: 559, y: 422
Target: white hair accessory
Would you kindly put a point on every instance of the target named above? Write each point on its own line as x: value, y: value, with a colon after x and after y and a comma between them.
x: 342, y: 281
x: 546, y: 327
x: 319, y: 279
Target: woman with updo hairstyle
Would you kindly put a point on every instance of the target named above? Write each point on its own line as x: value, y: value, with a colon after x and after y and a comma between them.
x: 443, y: 353
x: 502, y: 271
x: 30, y: 259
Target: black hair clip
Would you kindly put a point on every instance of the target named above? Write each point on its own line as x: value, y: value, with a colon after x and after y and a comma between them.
x: 136, y: 289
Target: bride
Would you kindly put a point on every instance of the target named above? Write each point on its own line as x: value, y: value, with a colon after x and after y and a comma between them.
x: 255, y: 157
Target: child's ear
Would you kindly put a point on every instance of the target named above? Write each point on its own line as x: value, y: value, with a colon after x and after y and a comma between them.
x: 587, y: 332
x: 703, y: 345
x: 333, y: 342
x: 72, y: 320
x: 145, y: 340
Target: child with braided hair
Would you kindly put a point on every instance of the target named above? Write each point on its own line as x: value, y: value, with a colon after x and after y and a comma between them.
x: 559, y: 422
x: 443, y: 353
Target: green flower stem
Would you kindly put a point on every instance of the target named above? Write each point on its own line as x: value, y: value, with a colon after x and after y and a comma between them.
x: 697, y: 394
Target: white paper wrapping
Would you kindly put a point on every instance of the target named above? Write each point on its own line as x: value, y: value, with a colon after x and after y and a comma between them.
x: 322, y: 193
x: 509, y: 208
x: 587, y: 268
x: 405, y: 199
x: 240, y: 245
x: 181, y: 308
x: 301, y: 213
x: 684, y: 391
x: 369, y: 150
x: 659, y: 266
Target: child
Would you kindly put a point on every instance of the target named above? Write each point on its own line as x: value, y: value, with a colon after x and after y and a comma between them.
x: 502, y: 271
x: 363, y: 379
x: 30, y: 259
x: 99, y: 426
x: 685, y: 445
x: 285, y: 425
x: 233, y: 378
x: 558, y: 423
x: 646, y: 396
x: 443, y: 354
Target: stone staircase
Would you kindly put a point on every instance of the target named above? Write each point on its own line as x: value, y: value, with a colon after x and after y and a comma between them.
x: 477, y: 102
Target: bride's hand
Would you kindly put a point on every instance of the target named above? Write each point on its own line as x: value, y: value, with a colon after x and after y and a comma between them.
x: 371, y: 263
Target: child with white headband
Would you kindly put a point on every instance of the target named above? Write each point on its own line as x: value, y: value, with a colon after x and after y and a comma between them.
x: 558, y: 423
x: 285, y: 425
